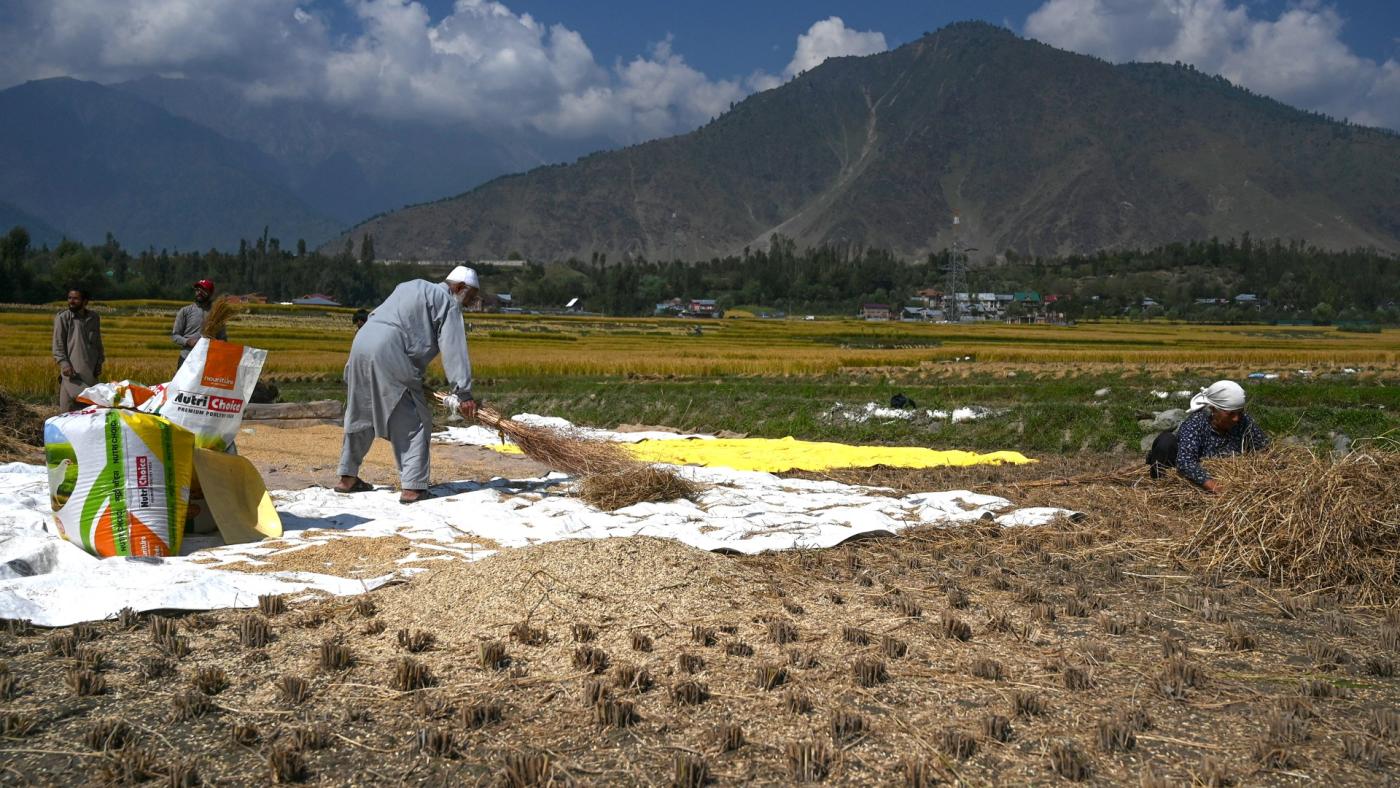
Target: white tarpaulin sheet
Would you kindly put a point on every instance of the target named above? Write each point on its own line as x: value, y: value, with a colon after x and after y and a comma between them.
x: 54, y: 583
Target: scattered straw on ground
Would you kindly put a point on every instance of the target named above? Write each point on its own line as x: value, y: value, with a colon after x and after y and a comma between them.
x: 975, y: 655
x: 556, y: 584
x: 349, y: 556
x: 1302, y: 521
x: 21, y: 430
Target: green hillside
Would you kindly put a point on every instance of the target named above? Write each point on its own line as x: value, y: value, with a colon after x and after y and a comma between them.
x: 1042, y: 151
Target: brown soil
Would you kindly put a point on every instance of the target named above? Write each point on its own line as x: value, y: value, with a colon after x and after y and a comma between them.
x: 1088, y: 627
x: 296, y: 458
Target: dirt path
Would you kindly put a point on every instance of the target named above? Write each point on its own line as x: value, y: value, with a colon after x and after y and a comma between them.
x: 301, y: 457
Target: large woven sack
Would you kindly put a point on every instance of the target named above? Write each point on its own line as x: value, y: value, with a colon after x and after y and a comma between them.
x: 119, y: 481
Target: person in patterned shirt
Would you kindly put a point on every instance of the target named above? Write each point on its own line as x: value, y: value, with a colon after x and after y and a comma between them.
x: 1216, y: 426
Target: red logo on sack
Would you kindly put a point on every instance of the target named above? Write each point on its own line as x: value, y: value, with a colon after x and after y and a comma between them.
x: 143, y: 471
x: 225, y: 405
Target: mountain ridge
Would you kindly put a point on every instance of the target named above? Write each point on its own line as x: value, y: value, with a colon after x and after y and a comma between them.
x: 41, y: 233
x: 352, y: 166
x: 94, y: 160
x: 1042, y: 151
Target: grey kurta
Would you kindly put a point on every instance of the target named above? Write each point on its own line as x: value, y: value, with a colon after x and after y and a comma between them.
x: 387, y: 362
x: 189, y: 322
x: 77, y: 342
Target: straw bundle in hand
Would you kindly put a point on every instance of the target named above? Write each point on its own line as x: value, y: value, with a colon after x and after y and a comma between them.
x: 609, y: 478
x: 1307, y: 522
x: 574, y: 456
x: 216, y: 321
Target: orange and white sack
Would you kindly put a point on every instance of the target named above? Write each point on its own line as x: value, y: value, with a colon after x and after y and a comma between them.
x: 119, y: 394
x: 210, y: 391
x: 119, y: 481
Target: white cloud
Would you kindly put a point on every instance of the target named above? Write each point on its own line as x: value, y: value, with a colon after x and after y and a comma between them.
x: 1298, y: 57
x: 831, y: 38
x: 644, y: 98
x: 128, y: 38
x: 826, y: 38
x: 482, y: 63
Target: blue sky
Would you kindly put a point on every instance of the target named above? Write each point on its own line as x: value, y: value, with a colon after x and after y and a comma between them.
x: 630, y: 70
x: 730, y: 37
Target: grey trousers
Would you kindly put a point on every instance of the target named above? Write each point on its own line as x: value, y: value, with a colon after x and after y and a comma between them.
x: 408, y: 435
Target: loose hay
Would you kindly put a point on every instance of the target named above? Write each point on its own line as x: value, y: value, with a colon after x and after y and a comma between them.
x: 358, y: 557
x: 649, y: 592
x: 21, y: 431
x: 638, y: 484
x: 1306, y: 522
x: 559, y: 584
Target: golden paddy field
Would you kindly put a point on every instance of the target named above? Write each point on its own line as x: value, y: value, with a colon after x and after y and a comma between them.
x: 312, y: 345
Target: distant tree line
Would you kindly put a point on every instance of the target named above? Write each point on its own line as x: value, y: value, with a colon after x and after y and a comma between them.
x: 38, y: 275
x: 1292, y: 281
x: 1196, y: 280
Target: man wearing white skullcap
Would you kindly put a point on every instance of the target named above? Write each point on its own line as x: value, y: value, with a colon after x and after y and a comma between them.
x: 384, y: 377
x: 1216, y: 426
x: 465, y: 276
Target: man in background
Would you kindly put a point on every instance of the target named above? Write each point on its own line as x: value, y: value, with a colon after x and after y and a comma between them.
x: 384, y: 378
x: 360, y: 318
x: 77, y: 347
x: 189, y: 321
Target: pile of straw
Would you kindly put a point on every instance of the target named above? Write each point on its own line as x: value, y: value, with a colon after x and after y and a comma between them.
x: 637, y: 484
x: 608, y: 477
x: 219, y: 314
x: 1305, y: 522
x: 21, y: 431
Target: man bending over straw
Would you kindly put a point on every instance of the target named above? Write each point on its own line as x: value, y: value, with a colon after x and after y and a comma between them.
x: 1217, y: 426
x: 384, y: 377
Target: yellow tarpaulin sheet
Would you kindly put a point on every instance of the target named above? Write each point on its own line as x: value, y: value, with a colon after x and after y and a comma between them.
x: 785, y: 454
x: 236, y: 497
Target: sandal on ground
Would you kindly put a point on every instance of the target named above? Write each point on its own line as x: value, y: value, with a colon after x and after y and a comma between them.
x: 359, y: 486
x: 423, y: 495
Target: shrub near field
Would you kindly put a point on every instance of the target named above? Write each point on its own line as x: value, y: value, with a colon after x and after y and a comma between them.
x: 778, y: 378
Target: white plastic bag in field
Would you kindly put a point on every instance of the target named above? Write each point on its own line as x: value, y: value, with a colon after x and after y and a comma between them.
x: 210, y: 391
x: 119, y: 481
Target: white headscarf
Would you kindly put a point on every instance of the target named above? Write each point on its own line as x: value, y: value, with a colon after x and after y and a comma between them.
x: 1222, y: 394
